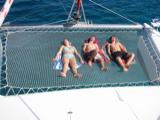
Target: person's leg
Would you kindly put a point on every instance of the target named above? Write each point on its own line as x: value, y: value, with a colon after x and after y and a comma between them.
x: 73, y: 65
x: 65, y: 67
x: 100, y: 58
x: 103, y: 54
x: 87, y: 58
x: 103, y: 67
x: 91, y: 57
x: 130, y: 59
x: 90, y: 63
x: 120, y: 62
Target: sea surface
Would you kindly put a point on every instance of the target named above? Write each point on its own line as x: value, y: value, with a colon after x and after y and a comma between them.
x: 40, y: 12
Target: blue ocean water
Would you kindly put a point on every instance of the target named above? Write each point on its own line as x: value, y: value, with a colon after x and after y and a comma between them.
x: 29, y: 12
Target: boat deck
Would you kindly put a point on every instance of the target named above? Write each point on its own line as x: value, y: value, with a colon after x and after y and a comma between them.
x: 28, y: 67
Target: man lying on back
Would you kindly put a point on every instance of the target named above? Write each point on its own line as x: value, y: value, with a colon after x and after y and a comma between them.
x: 118, y: 52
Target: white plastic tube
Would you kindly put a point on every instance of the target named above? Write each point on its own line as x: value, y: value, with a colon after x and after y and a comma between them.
x: 4, y: 11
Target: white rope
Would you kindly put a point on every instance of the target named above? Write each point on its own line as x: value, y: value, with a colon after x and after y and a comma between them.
x: 69, y: 15
x: 29, y: 108
x: 84, y: 16
x: 55, y: 22
x: 5, y: 10
x: 114, y: 12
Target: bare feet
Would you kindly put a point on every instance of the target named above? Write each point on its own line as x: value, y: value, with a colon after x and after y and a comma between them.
x: 125, y: 69
x: 90, y: 63
x: 77, y: 75
x: 133, y: 62
x: 127, y: 66
x: 62, y: 75
x: 104, y: 69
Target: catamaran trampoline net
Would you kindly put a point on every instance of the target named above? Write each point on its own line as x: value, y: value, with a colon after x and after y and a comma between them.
x: 27, y: 61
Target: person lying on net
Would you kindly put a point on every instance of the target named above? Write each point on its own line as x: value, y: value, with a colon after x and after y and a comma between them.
x: 118, y: 53
x: 68, y: 58
x: 91, y: 53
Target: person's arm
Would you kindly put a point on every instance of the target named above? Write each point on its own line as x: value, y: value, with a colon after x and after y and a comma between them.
x: 76, y: 52
x: 84, y: 47
x: 58, y: 53
x: 123, y: 48
x: 97, y: 48
x: 109, y: 51
x: 103, y: 53
x: 104, y: 45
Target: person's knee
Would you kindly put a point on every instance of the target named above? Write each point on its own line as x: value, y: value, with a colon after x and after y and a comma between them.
x: 133, y: 55
x: 101, y: 59
x: 118, y: 58
x: 65, y: 64
x: 73, y: 62
x: 130, y: 55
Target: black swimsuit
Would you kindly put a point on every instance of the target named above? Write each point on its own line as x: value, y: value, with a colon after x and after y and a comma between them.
x: 90, y: 55
x: 123, y: 55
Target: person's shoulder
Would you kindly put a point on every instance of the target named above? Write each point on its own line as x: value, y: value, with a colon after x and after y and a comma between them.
x: 120, y: 43
x: 87, y: 44
x: 95, y: 44
x: 109, y: 45
x: 73, y: 47
x: 62, y: 46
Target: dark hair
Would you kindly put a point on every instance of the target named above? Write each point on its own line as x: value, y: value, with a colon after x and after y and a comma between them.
x: 64, y: 40
x: 86, y: 41
x: 89, y: 39
x: 110, y: 38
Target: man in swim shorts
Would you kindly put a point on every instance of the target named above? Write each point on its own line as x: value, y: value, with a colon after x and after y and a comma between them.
x: 91, y: 53
x: 118, y: 52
